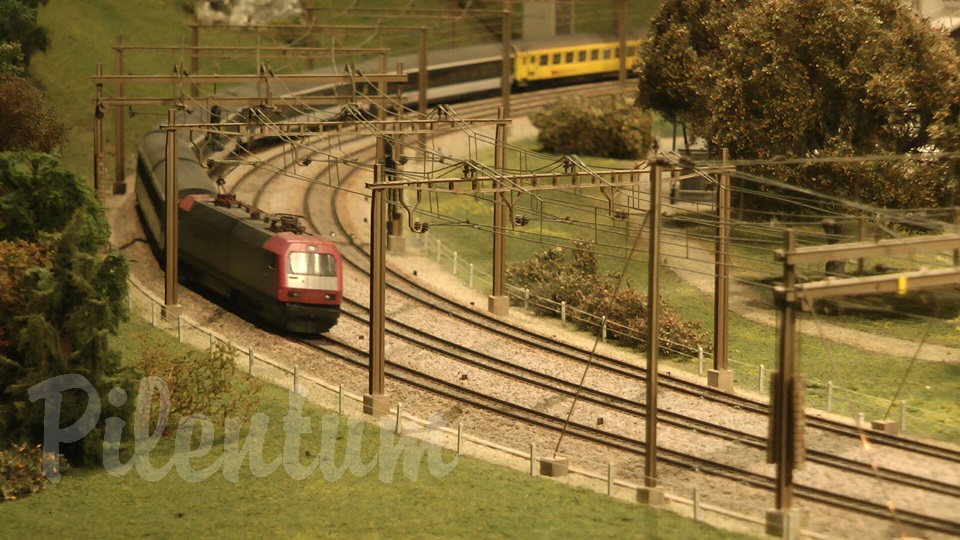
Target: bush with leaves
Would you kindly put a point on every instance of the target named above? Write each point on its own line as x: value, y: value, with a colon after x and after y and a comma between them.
x: 28, y: 123
x: 199, y: 383
x: 66, y: 291
x: 21, y: 471
x: 609, y: 127
x: 572, y: 276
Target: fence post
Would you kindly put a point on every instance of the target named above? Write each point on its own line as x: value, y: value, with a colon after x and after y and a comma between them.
x: 470, y: 281
x: 699, y: 359
x: 610, y: 485
x: 460, y: 439
x: 760, y: 380
x: 526, y: 298
x: 829, y: 395
x: 696, y: 504
x: 533, y: 459
x: 179, y: 329
x: 455, y: 255
x: 563, y: 311
x: 340, y: 401
x: 603, y: 329
x: 860, y: 420
x: 296, y: 380
x: 439, y: 246
x: 251, y: 361
x: 399, y: 429
x: 903, y: 416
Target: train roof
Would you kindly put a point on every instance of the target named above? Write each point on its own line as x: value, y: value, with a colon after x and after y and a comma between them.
x: 570, y: 40
x: 248, y: 224
x: 191, y: 176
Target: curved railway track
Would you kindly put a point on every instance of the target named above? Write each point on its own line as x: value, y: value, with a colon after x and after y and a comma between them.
x: 359, y: 259
x: 446, y: 389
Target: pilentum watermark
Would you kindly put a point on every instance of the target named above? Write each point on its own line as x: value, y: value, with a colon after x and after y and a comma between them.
x: 190, y: 446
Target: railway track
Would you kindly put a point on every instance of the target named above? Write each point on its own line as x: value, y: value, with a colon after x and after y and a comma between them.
x: 358, y: 258
x: 509, y: 410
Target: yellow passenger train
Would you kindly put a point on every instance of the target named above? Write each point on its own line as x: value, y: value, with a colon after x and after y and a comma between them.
x: 583, y: 58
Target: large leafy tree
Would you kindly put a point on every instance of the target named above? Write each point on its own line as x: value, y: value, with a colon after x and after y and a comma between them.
x: 62, y: 293
x: 813, y: 78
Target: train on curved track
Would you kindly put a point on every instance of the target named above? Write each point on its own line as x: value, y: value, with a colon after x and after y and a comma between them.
x: 265, y: 265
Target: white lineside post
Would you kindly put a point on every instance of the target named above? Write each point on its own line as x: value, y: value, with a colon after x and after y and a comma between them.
x: 399, y: 428
x: 460, y: 439
x: 296, y: 380
x: 251, y: 361
x: 903, y: 416
x: 340, y: 401
x: 533, y: 459
x: 829, y: 395
x: 610, y: 483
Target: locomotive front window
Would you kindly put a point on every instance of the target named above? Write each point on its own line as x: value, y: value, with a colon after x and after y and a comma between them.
x: 311, y: 264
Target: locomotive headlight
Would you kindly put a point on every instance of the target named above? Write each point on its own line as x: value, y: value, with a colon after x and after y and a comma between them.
x: 329, y: 296
x: 292, y: 294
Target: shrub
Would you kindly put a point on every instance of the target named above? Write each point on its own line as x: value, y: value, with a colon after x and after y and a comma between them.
x: 571, y: 276
x: 610, y: 127
x: 199, y: 384
x: 21, y: 471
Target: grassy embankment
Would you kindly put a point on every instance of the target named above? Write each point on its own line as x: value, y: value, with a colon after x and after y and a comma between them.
x: 474, y: 499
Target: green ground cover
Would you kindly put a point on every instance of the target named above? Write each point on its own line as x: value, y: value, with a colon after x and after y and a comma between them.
x: 471, y: 499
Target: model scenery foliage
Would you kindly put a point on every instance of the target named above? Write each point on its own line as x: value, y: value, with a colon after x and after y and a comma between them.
x: 600, y: 127
x: 63, y: 293
x: 573, y: 276
x: 812, y: 78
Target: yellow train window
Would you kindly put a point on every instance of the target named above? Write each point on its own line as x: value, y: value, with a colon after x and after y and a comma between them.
x: 556, y: 58
x: 595, y: 54
x: 582, y: 56
x: 569, y: 58
x: 631, y: 51
x: 544, y: 59
x: 606, y: 54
